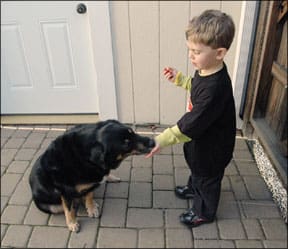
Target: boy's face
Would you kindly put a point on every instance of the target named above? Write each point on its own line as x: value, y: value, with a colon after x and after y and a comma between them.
x: 203, y: 57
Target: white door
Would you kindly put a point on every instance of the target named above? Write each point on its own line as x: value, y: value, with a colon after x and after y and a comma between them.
x: 48, y: 63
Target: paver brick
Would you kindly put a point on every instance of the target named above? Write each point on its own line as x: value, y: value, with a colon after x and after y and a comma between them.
x: 167, y: 199
x: 214, y: 244
x: 239, y: 188
x: 162, y: 164
x: 99, y: 192
x: 253, y: 229
x: 138, y: 161
x: 9, y: 183
x: 172, y: 218
x: 241, y: 144
x: 49, y: 237
x: 34, y: 140
x: 3, y: 141
x: 179, y: 161
x: 247, y: 168
x: 114, y: 213
x: 18, y: 167
x: 181, y: 176
x: 14, y: 143
x: 7, y: 132
x: 231, y: 169
x: 141, y: 175
x: 230, y: 229
x: 87, y: 235
x: 4, y: 201
x: 163, y: 169
x: 257, y: 188
x: 178, y: 238
x: 123, y: 172
x: 177, y: 149
x: 144, y: 218
x: 140, y: 194
x: 3, y: 230
x: 7, y: 155
x: 55, y: 133
x: 209, y: 231
x: 22, y: 194
x: 3, y: 169
x: 260, y: 209
x: 22, y: 132
x: 20, y: 232
x: 225, y: 184
x: 117, y: 190
x: 163, y: 182
x: 35, y: 217
x: 46, y: 142
x: 243, y: 155
x: 117, y: 238
x: 13, y: 214
x: 57, y: 220
x: 151, y: 238
x: 248, y: 244
x: 166, y: 150
x: 275, y: 243
x: 274, y: 229
x: 25, y: 154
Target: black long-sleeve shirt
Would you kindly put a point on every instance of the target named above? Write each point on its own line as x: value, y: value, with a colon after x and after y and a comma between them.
x: 211, y: 124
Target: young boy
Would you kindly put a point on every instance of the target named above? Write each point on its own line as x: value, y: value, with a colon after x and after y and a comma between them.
x: 208, y: 129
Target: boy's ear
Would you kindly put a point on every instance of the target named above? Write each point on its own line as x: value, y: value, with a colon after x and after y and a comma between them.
x: 221, y: 52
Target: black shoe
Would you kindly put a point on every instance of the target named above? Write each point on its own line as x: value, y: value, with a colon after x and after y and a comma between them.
x: 192, y: 220
x: 184, y: 192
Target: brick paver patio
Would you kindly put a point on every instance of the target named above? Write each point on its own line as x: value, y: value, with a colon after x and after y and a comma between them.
x: 141, y: 211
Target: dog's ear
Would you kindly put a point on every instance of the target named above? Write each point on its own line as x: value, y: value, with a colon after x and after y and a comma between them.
x: 97, y: 154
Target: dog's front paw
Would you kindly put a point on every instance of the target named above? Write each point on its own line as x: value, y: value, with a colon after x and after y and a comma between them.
x: 112, y: 178
x: 74, y: 227
x: 93, y: 210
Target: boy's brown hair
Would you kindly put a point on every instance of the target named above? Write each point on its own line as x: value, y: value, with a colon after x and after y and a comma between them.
x: 212, y: 28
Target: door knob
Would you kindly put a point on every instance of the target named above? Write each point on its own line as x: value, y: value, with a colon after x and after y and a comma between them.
x: 81, y: 8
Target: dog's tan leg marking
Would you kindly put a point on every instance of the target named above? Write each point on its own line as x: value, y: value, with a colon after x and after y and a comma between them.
x: 91, y: 205
x: 70, y: 216
x: 83, y: 187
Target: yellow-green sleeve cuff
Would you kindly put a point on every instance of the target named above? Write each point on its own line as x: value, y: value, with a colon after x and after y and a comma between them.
x: 171, y: 136
x: 183, y: 81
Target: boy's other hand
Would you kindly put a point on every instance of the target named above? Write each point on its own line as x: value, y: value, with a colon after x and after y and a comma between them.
x: 154, y: 151
x: 170, y: 73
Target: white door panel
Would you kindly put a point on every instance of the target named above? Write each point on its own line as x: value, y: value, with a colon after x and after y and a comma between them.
x: 47, y: 59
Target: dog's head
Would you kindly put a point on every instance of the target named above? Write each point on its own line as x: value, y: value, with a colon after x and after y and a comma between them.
x: 119, y: 141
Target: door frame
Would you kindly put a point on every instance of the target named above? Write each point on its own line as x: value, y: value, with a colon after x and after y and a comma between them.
x: 99, y: 11
x: 253, y: 122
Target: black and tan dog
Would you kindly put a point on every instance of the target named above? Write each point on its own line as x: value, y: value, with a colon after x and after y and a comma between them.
x: 77, y: 162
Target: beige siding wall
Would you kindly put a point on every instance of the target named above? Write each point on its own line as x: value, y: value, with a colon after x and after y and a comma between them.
x: 146, y: 37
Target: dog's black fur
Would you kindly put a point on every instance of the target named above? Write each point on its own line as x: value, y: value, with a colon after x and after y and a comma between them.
x: 76, y: 162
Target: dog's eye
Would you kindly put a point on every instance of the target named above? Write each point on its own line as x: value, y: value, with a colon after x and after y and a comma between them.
x: 126, y: 143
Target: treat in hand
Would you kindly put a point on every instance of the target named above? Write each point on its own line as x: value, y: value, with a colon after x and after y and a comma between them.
x: 169, y: 73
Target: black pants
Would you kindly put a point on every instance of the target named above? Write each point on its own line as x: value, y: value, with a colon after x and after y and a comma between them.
x: 207, y: 191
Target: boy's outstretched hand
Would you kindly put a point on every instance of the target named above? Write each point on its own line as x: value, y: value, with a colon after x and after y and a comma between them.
x: 154, y: 151
x: 170, y: 73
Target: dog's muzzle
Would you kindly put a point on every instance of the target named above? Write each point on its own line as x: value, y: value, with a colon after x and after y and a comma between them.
x: 144, y: 147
